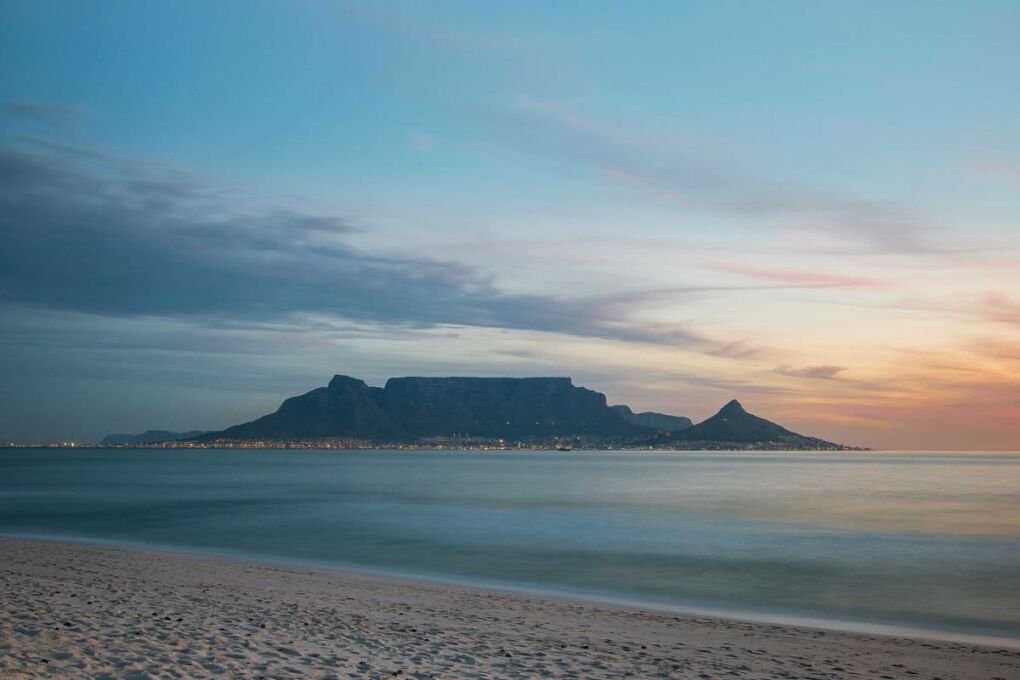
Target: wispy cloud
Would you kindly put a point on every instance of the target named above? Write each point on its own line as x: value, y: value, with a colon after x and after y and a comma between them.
x: 812, y: 372
x: 800, y: 278
x: 990, y: 306
x: 998, y: 350
x: 740, y: 349
x: 994, y: 168
x: 62, y: 149
x: 43, y: 112
x: 1002, y: 308
x: 699, y: 174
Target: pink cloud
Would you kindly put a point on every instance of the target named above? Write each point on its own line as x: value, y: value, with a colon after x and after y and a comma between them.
x: 801, y: 278
x: 1002, y: 308
x: 826, y: 372
x: 998, y: 170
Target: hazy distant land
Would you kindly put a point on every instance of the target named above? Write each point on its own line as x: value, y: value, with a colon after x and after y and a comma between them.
x: 148, y: 437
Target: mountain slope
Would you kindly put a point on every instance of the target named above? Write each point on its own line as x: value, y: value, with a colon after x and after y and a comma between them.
x: 347, y: 407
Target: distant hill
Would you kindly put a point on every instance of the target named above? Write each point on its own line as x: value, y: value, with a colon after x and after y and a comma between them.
x: 148, y: 437
x: 414, y: 408
x: 732, y: 425
x: 656, y: 421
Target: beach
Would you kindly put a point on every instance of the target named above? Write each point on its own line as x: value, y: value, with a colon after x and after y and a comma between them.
x: 78, y: 610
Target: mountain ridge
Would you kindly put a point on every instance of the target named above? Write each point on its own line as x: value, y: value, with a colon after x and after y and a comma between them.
x: 434, y: 411
x: 653, y: 419
x: 412, y: 407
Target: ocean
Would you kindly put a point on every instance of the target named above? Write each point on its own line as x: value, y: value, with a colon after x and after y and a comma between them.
x: 922, y: 543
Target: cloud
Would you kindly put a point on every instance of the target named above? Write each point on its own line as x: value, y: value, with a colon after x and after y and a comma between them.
x: 995, y: 307
x: 1002, y: 308
x: 800, y: 278
x: 43, y: 112
x: 82, y: 234
x: 997, y: 350
x: 740, y: 349
x: 812, y: 372
x: 706, y: 176
x: 995, y: 169
x: 67, y: 150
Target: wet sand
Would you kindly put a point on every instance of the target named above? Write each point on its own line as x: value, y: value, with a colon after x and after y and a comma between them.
x: 82, y: 611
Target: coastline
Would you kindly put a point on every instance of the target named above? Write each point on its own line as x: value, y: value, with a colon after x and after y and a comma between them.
x: 491, y: 447
x: 72, y: 609
x: 598, y: 600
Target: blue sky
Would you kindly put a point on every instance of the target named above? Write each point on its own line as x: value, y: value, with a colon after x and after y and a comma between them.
x: 810, y: 206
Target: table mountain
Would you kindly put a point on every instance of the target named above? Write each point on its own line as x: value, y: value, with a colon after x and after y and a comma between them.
x: 415, y: 408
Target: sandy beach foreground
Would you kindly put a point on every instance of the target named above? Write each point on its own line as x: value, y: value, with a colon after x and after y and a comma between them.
x: 82, y: 611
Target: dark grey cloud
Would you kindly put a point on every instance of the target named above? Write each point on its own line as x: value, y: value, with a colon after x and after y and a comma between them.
x: 813, y: 372
x: 79, y: 233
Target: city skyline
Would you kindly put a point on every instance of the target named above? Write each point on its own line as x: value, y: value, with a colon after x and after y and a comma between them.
x: 811, y: 208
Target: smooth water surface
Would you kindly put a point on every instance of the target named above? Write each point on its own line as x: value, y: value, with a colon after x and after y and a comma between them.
x: 923, y: 541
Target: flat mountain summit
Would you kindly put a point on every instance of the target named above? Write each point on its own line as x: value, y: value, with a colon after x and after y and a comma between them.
x: 427, y: 410
x: 406, y: 409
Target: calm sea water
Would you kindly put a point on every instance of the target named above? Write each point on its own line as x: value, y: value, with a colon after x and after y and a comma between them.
x: 926, y: 542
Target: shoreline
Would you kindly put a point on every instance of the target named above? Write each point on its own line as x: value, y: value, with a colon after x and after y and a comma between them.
x: 723, y: 447
x: 412, y: 579
x: 86, y: 607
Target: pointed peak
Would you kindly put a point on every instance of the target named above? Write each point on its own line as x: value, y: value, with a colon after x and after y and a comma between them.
x: 732, y: 408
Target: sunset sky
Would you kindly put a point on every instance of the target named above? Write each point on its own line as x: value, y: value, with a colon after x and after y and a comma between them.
x: 813, y: 207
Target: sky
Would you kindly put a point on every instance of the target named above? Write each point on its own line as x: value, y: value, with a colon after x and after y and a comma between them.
x: 810, y: 207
